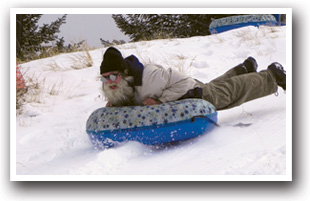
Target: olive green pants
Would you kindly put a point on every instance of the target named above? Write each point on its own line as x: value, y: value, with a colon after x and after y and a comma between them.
x: 234, y: 88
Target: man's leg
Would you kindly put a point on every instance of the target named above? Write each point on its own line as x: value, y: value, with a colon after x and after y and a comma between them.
x: 248, y: 66
x: 225, y: 93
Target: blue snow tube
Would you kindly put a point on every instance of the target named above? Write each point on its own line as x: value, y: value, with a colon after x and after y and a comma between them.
x: 233, y: 22
x: 150, y: 125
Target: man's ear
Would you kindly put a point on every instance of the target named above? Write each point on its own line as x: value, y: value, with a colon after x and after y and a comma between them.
x: 126, y: 71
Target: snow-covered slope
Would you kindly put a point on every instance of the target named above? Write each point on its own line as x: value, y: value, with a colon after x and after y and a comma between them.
x: 50, y: 131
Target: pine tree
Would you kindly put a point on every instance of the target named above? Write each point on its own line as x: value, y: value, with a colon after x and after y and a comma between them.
x: 152, y: 26
x: 30, y: 37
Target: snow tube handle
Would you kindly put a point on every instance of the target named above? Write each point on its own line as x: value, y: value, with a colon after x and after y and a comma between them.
x: 201, y: 116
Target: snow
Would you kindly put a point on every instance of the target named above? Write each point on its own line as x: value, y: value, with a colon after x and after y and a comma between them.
x: 252, y: 140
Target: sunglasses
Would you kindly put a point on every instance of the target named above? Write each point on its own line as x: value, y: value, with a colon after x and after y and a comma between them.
x: 112, y: 77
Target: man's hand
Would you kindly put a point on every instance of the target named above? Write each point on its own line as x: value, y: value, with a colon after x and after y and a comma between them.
x: 150, y: 101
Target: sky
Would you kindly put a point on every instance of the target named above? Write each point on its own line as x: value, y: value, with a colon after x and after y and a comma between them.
x: 89, y: 27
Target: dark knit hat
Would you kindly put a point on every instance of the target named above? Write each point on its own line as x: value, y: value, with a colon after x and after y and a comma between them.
x: 112, y: 61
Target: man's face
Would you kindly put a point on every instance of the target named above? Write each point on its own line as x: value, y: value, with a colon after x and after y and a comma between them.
x: 111, y: 79
x: 116, y: 88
